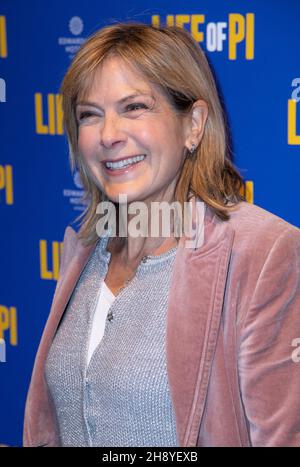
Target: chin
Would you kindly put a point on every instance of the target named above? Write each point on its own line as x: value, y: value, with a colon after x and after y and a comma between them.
x: 123, y: 197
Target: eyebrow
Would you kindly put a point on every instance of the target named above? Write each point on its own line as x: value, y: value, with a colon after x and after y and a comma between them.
x: 121, y: 101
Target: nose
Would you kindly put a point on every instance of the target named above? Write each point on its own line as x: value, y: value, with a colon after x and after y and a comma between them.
x: 111, y: 131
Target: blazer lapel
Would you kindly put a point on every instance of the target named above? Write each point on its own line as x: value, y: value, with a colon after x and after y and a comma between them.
x: 194, y: 315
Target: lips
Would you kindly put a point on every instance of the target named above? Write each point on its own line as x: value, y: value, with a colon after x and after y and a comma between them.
x: 122, y: 158
x: 116, y: 165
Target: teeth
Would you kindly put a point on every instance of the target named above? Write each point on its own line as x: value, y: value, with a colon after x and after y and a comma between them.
x: 124, y: 162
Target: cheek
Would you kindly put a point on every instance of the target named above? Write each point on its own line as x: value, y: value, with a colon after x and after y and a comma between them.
x: 86, y: 142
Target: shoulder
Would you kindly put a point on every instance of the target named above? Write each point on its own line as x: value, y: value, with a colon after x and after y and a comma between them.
x: 70, y: 235
x: 254, y: 226
x: 70, y: 241
x: 263, y: 243
x: 252, y: 216
x: 74, y: 248
x: 255, y: 232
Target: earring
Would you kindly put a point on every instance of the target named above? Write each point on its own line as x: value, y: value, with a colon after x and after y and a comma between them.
x: 192, y: 150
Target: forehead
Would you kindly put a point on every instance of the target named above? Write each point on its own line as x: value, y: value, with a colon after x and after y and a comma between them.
x: 114, y: 79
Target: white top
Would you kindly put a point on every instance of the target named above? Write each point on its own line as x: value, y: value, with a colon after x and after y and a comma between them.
x: 105, y: 300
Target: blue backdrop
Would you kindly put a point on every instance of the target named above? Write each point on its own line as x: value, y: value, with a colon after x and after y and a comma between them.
x: 253, y: 48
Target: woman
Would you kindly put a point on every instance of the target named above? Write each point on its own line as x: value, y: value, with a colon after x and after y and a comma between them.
x: 150, y: 342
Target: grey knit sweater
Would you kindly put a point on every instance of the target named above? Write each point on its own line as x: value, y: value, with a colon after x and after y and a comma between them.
x: 122, y: 398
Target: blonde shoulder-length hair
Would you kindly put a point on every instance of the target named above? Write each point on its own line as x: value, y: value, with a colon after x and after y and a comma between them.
x: 168, y: 57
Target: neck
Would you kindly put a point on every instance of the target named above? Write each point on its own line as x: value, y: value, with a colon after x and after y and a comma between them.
x: 132, y: 250
x: 146, y: 227
x: 144, y: 236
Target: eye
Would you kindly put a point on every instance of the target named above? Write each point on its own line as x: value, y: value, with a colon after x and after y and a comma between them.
x: 83, y: 115
x: 136, y: 106
x: 87, y: 115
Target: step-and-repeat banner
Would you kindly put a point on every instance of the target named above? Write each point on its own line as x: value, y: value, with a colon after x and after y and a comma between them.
x: 253, y: 47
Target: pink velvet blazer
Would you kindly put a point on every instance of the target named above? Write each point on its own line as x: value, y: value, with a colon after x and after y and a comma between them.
x: 233, y: 325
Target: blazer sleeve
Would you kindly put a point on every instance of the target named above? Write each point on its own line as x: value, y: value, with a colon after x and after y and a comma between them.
x: 269, y: 371
x: 39, y: 419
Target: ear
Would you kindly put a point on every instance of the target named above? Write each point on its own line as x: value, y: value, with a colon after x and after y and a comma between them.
x: 198, y: 115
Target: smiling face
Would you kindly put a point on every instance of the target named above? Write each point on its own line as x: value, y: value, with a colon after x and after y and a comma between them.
x: 129, y: 136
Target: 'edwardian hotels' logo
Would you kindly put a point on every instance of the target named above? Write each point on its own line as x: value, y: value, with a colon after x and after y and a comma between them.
x: 75, y: 194
x: 73, y: 43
